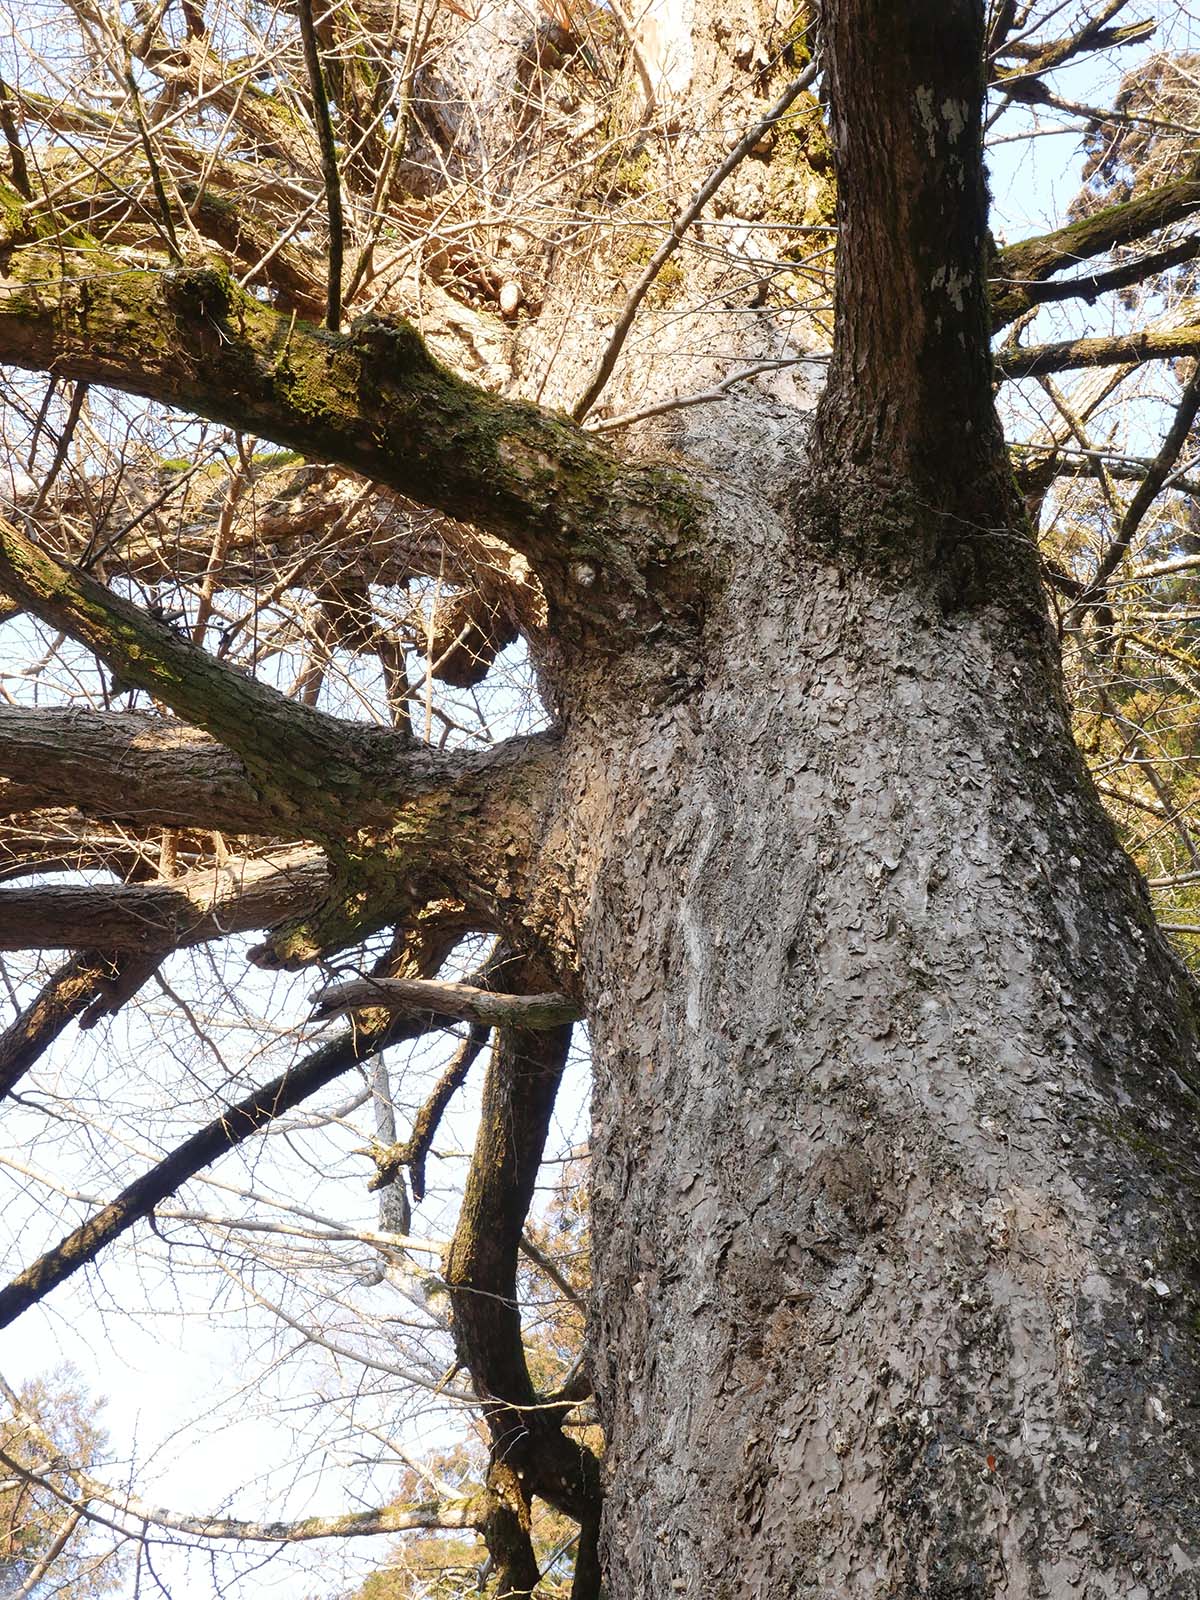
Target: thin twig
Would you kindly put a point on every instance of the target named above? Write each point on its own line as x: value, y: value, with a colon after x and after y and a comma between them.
x: 719, y: 391
x: 156, y: 177
x: 1146, y: 492
x: 673, y: 240
x: 329, y: 166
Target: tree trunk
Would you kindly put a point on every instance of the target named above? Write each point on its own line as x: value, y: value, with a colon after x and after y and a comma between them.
x: 897, y: 1292
x: 894, y: 1187
x: 894, y: 1172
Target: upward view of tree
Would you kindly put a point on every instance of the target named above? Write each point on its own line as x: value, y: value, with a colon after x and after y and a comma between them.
x: 516, y: 516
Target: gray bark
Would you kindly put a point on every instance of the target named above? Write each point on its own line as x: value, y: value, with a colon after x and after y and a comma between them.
x: 894, y: 1174
x: 894, y: 1185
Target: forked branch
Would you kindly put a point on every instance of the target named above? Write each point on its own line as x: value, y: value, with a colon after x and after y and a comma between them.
x: 456, y: 1001
x: 233, y: 1127
x: 373, y: 399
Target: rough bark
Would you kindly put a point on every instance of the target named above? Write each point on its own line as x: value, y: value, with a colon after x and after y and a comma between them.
x: 896, y: 1082
x: 895, y: 1172
x: 894, y: 1191
x: 231, y: 897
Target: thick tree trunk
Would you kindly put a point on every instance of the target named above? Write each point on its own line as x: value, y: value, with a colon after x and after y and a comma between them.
x: 894, y: 1185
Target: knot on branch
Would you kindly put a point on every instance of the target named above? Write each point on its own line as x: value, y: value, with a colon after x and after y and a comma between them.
x: 395, y: 347
x: 390, y: 1161
x: 199, y: 294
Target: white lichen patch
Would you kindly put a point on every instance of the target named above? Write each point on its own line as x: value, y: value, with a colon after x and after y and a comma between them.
x: 955, y: 114
x: 928, y: 116
x: 951, y: 116
x: 953, y: 282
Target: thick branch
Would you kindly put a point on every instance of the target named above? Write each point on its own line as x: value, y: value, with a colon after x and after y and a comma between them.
x: 456, y: 1001
x: 473, y: 842
x: 232, y: 897
x: 1068, y: 354
x: 481, y: 1271
x: 1029, y: 261
x: 129, y: 767
x: 306, y: 762
x: 373, y: 399
x: 910, y: 365
x: 1093, y: 35
x: 1090, y: 286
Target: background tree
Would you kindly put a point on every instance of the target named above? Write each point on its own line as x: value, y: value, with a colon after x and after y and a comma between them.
x: 44, y: 1531
x: 895, y: 1075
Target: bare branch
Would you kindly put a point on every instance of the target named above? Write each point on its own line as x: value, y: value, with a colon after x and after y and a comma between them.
x: 679, y: 228
x: 481, y: 1265
x: 1022, y: 265
x: 1094, y: 34
x: 87, y: 985
x: 235, y: 896
x: 390, y: 1160
x: 459, y: 1001
x: 1146, y: 492
x: 468, y: 1512
x: 1149, y: 344
x: 233, y: 1127
x: 300, y: 758
x: 1094, y: 284
x: 329, y: 163
x: 126, y: 765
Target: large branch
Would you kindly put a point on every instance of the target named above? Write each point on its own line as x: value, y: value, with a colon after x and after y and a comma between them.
x: 481, y: 1271
x: 1091, y: 285
x: 1044, y: 56
x: 911, y: 364
x: 1020, y: 267
x: 909, y: 367
x: 373, y: 399
x: 472, y: 841
x: 236, y: 896
x: 129, y: 767
x: 307, y: 766
x: 1164, y: 344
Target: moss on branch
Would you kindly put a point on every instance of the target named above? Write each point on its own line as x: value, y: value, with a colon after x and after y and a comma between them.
x: 373, y: 399
x: 1021, y: 266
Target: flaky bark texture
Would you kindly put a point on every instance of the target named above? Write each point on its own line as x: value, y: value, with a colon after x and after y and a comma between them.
x: 894, y: 1197
x: 894, y: 1180
x: 895, y: 1190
